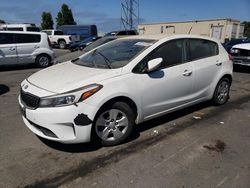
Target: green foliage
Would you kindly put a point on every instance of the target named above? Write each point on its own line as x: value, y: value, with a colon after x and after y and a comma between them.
x: 2, y: 21
x: 47, y: 21
x: 247, y: 28
x: 65, y: 16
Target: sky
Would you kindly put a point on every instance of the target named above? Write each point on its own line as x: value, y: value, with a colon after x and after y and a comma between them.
x: 106, y: 13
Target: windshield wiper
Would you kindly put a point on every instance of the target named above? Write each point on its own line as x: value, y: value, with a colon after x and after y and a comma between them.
x: 74, y: 60
x: 107, y: 61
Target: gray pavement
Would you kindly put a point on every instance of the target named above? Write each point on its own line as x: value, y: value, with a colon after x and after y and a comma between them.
x: 164, y: 152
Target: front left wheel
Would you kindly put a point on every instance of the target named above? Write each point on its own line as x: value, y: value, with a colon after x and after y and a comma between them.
x: 114, y: 124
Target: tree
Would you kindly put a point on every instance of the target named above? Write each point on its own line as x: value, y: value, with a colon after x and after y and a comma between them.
x: 65, y: 16
x: 247, y: 28
x: 2, y: 21
x: 47, y: 22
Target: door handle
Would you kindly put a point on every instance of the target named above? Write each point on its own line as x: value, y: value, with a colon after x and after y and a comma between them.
x: 12, y: 48
x: 36, y: 47
x: 187, y: 73
x: 219, y: 64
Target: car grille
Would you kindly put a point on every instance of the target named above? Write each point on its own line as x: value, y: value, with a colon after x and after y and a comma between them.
x: 242, y: 52
x: 30, y: 100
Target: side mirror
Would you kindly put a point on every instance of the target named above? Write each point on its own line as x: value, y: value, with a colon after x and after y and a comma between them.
x: 154, y: 64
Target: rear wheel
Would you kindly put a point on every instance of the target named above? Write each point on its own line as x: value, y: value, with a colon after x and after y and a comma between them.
x: 62, y: 44
x: 43, y: 61
x: 114, y: 124
x: 221, y: 93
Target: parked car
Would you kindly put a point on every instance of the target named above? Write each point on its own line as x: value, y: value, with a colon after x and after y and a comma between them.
x: 80, y: 52
x: 105, y: 92
x: 228, y: 45
x: 19, y: 47
x: 241, y: 54
x: 121, y: 33
x: 82, y: 44
x: 20, y: 27
x: 57, y: 37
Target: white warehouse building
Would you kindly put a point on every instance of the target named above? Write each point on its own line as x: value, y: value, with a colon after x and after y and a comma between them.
x: 221, y: 29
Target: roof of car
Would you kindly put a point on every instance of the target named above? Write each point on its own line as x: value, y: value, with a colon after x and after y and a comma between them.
x: 170, y: 36
x: 24, y: 32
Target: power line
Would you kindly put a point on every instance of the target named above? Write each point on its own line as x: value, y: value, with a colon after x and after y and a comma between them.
x: 130, y: 14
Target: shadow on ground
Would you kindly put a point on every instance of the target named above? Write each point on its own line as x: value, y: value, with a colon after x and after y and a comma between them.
x: 93, y: 146
x: 16, y: 67
x: 4, y: 89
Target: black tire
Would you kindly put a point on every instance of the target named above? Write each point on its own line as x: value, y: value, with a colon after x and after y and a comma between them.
x: 125, y: 110
x: 221, y: 93
x: 43, y: 61
x: 62, y: 44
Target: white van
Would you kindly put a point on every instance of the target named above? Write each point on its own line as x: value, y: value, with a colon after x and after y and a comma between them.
x: 20, y: 27
x: 18, y: 47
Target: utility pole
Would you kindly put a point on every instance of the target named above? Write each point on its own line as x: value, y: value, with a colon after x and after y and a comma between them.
x: 130, y: 14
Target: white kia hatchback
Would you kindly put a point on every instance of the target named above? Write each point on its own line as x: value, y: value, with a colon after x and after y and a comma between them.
x: 104, y: 93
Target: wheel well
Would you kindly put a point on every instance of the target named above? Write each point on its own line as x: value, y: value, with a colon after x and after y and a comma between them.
x: 43, y: 54
x: 127, y: 100
x: 228, y: 76
x: 61, y: 40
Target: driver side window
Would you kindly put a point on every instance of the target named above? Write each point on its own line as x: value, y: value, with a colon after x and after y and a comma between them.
x: 172, y: 53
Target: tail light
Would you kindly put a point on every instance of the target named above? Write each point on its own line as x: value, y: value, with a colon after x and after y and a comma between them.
x: 230, y: 57
x: 49, y: 43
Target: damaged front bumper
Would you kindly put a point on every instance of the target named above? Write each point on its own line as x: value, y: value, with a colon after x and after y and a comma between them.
x: 68, y: 124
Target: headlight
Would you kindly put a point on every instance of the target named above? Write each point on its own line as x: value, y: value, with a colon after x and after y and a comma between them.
x: 234, y: 51
x: 71, y: 97
x: 57, y: 101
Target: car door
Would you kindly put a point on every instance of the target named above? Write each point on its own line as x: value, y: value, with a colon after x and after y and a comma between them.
x: 171, y: 85
x: 206, y: 65
x: 26, y: 45
x: 8, y: 53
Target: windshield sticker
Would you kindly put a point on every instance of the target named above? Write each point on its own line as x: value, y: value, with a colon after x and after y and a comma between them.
x: 146, y: 44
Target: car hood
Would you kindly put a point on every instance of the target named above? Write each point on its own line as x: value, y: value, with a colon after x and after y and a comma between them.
x: 68, y: 76
x: 245, y: 46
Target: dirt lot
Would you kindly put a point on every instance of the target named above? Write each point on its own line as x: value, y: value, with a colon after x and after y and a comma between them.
x: 201, y: 146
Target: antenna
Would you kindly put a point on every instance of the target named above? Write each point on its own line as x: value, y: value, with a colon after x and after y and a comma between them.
x: 130, y: 14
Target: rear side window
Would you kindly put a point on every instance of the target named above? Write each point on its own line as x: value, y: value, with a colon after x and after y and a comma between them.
x: 14, y: 29
x: 27, y: 38
x: 48, y: 32
x: 131, y: 33
x: 7, y: 38
x: 200, y: 48
x: 122, y: 33
x: 58, y: 33
x: 33, y: 29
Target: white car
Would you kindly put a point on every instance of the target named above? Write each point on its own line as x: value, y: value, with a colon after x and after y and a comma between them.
x: 241, y: 54
x: 105, y: 92
x: 20, y: 47
x: 57, y: 37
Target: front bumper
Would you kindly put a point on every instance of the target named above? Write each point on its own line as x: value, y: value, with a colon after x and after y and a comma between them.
x: 241, y: 60
x: 60, y: 123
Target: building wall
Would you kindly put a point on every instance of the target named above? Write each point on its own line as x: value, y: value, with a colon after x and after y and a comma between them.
x: 221, y: 29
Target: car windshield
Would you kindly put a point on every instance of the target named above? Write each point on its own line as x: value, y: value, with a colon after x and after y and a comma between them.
x: 97, y: 43
x: 115, y: 54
